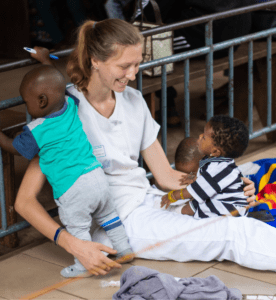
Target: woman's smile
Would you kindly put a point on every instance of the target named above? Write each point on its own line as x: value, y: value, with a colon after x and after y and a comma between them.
x: 123, y: 82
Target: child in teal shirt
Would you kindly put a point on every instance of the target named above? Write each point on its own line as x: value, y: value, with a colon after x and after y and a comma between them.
x: 66, y: 157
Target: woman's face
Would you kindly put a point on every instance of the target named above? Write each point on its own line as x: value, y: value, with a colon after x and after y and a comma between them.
x: 116, y: 72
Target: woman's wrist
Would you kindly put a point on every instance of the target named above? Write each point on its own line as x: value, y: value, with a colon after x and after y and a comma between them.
x: 66, y: 241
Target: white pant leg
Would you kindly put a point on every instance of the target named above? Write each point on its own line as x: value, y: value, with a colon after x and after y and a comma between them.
x: 243, y: 240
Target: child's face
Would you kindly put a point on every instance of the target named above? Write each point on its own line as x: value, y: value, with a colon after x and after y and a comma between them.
x: 205, y: 141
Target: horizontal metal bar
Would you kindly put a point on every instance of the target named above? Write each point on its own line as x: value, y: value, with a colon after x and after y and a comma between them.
x: 244, y: 39
x: 30, y: 61
x: 156, y: 30
x: 207, y: 18
x: 8, y: 103
x: 179, y: 57
x: 174, y: 58
x: 24, y: 224
x: 262, y: 131
x: 206, y: 49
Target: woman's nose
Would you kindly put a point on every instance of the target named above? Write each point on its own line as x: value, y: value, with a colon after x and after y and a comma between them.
x: 131, y: 74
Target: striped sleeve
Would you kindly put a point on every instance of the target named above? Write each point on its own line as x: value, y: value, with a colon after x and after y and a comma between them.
x: 213, y: 180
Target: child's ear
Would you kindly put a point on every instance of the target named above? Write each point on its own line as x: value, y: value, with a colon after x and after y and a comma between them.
x: 43, y: 101
x: 216, y: 152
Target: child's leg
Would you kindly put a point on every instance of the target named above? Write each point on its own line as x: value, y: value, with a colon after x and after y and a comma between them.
x: 75, y: 208
x: 107, y: 217
x: 187, y: 210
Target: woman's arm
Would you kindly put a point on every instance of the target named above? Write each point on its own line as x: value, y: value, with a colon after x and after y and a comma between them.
x: 166, y: 177
x: 27, y: 205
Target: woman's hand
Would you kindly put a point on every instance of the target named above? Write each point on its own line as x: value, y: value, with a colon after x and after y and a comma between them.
x: 187, y: 179
x: 249, y: 190
x: 27, y: 205
x: 42, y: 55
x: 165, y: 201
x: 91, y: 257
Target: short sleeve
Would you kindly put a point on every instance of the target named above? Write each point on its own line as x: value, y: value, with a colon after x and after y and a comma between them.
x: 151, y: 128
x: 76, y: 100
x: 213, y: 180
x: 25, y: 143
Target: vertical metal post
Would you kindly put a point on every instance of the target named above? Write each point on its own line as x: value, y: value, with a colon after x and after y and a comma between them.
x: 250, y: 86
x: 231, y: 82
x: 139, y: 81
x: 209, y: 70
x: 139, y: 87
x: 2, y: 194
x: 164, y: 108
x: 269, y: 80
x: 187, y: 97
x: 28, y: 117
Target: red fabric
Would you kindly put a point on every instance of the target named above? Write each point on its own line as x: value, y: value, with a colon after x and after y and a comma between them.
x: 268, y: 195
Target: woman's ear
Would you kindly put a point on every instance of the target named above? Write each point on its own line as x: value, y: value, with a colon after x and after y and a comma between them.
x: 94, y: 63
x: 42, y: 101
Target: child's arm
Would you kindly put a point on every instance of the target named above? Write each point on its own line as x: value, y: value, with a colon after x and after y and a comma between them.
x: 6, y: 144
x: 173, y: 196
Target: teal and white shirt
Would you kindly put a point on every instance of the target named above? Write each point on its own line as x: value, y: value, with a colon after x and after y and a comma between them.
x: 63, y: 148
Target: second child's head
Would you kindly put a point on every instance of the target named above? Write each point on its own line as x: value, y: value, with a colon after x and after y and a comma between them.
x: 224, y: 136
x: 43, y: 91
x: 187, y: 156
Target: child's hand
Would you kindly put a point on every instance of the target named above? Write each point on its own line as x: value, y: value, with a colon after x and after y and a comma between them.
x: 165, y: 201
x: 187, y: 179
x: 42, y: 55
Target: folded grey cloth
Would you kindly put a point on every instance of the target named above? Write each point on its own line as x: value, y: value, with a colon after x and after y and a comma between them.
x: 139, y: 283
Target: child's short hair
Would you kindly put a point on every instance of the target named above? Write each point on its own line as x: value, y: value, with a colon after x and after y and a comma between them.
x: 230, y: 134
x: 187, y: 150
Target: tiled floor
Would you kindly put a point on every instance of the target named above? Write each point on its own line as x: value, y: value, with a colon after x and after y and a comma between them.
x: 36, y: 266
x: 35, y: 269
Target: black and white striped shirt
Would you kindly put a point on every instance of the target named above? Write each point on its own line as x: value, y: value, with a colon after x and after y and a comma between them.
x: 218, y: 189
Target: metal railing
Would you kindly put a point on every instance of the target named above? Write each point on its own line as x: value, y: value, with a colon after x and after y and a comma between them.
x: 207, y: 50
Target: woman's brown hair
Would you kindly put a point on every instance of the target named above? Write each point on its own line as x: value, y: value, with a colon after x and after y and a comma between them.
x: 98, y: 40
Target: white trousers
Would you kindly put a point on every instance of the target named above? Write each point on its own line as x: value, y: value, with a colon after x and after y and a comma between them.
x: 246, y: 241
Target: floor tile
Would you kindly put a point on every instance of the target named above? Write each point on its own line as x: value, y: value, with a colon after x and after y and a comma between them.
x: 21, y: 275
x: 176, y: 269
x: 265, y: 276
x: 56, y: 295
x: 258, y: 297
x: 91, y: 288
x: 51, y: 253
x: 245, y: 285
